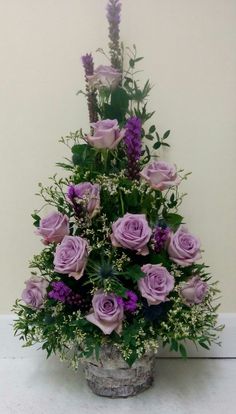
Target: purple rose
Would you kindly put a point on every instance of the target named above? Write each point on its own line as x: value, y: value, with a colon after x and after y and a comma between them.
x: 183, y: 247
x: 53, y: 227
x: 156, y: 284
x: 106, y: 134
x: 35, y: 292
x: 194, y: 291
x: 132, y: 232
x: 86, y: 194
x: 108, y: 312
x: 105, y: 76
x: 160, y: 175
x: 71, y: 256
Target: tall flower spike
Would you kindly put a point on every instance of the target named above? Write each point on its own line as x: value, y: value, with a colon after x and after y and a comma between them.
x: 133, y: 146
x: 88, y: 65
x: 113, y: 17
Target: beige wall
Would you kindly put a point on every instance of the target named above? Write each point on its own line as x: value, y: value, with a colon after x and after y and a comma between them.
x: 189, y: 48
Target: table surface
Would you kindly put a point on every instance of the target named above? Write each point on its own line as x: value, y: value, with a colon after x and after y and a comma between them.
x: 194, y: 386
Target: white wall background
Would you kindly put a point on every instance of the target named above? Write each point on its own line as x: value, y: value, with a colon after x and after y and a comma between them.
x: 190, y: 56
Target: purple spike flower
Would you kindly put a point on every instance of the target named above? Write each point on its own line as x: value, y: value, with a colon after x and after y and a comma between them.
x: 160, y: 236
x: 87, y: 61
x: 88, y: 64
x: 133, y: 146
x: 113, y: 17
x: 59, y: 292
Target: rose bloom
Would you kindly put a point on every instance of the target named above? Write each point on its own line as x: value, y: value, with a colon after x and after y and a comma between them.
x: 53, y: 227
x: 35, y: 292
x: 88, y: 194
x: 156, y: 284
x: 106, y: 134
x: 160, y: 175
x: 107, y: 313
x: 194, y: 291
x: 132, y: 232
x: 105, y: 76
x: 183, y: 247
x: 71, y: 256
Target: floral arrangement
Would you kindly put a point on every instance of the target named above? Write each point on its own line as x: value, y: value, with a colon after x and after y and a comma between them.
x: 118, y: 264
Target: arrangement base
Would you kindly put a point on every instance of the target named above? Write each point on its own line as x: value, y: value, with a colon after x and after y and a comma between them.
x: 112, y: 377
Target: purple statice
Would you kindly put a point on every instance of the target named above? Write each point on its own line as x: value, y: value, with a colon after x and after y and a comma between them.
x: 160, y: 237
x: 87, y: 61
x: 113, y: 17
x: 59, y: 292
x: 130, y: 302
x: 133, y: 146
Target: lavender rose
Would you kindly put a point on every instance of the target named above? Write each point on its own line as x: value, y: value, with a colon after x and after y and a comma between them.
x: 183, y: 247
x: 194, y: 291
x: 71, y: 256
x: 108, y: 312
x: 53, y: 227
x: 132, y: 232
x: 106, y: 134
x: 156, y: 284
x: 160, y: 175
x: 86, y: 194
x: 35, y: 292
x: 104, y: 76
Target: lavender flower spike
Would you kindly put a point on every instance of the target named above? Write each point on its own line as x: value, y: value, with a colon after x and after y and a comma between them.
x: 88, y: 65
x: 113, y: 17
x: 133, y: 146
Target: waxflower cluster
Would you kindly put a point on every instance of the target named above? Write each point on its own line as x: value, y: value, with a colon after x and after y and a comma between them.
x: 117, y: 264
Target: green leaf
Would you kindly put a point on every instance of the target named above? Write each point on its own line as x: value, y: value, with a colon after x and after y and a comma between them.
x: 166, y: 134
x: 157, y: 145
x: 110, y: 112
x: 174, y: 345
x: 182, y: 351
x: 165, y: 144
x: 78, y: 148
x: 204, y: 345
x: 120, y: 101
x: 83, y: 155
x: 173, y: 220
x: 36, y: 219
x: 149, y: 136
x: 152, y: 129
